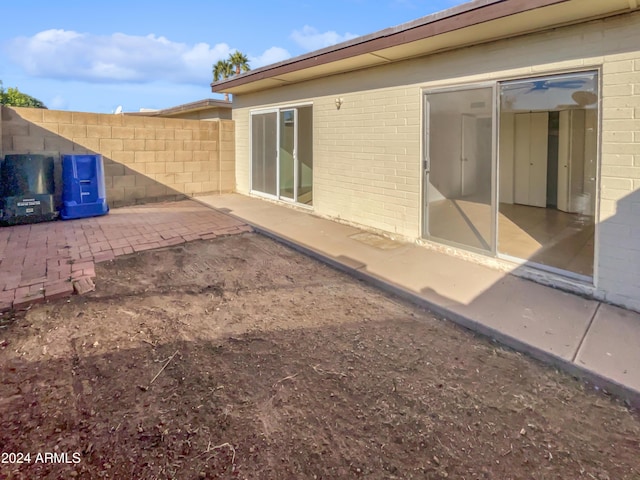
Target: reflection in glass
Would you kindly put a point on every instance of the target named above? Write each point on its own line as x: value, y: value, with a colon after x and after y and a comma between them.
x: 547, y: 170
x: 460, y: 152
x: 305, y: 155
x: 264, y: 152
x: 559, y: 92
x: 287, y: 153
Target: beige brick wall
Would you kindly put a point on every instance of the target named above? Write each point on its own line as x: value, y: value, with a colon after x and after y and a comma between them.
x: 367, y: 154
x: 146, y: 159
x: 366, y: 157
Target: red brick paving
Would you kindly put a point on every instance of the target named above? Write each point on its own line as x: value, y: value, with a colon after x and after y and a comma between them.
x: 45, y: 260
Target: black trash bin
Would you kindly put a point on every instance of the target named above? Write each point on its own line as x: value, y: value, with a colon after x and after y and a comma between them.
x: 28, y: 188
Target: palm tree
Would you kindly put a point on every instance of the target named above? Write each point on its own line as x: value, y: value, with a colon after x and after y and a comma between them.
x: 222, y: 69
x: 239, y: 61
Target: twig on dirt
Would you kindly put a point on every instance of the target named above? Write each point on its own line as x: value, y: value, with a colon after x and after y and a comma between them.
x: 218, y: 447
x: 163, y: 367
x: 290, y: 377
x: 328, y: 372
x: 206, y: 451
x: 508, y: 451
x: 448, y: 450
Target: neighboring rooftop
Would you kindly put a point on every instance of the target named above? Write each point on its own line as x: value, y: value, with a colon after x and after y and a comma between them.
x: 200, y: 110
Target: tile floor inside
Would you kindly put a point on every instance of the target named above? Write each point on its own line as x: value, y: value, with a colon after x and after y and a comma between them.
x: 541, y: 235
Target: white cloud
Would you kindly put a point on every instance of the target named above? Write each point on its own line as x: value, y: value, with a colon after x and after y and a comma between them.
x: 57, y: 103
x: 70, y: 55
x: 310, y: 38
x: 271, y: 55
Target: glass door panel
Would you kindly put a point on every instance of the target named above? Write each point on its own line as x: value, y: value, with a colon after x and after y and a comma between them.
x: 287, y: 154
x: 282, y: 153
x: 460, y: 156
x: 264, y: 152
x: 304, y: 156
x: 548, y: 160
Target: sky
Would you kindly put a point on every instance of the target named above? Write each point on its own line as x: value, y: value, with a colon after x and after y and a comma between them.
x: 95, y: 56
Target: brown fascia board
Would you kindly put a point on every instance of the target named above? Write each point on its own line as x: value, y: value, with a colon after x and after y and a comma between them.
x: 456, y: 18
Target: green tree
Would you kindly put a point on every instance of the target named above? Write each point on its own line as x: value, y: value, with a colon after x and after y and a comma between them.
x: 222, y: 69
x: 15, y: 98
x: 234, y: 65
x: 239, y: 61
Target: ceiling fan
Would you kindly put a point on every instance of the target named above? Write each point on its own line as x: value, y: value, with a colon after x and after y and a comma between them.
x: 545, y: 85
x: 542, y: 85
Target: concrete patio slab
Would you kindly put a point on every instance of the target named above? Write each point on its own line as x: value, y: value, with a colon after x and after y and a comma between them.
x: 547, y: 319
x: 547, y: 323
x: 613, y: 345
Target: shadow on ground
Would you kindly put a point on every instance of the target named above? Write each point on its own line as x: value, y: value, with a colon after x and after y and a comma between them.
x: 240, y: 358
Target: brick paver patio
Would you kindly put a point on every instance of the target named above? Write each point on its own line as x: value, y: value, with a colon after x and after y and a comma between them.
x: 46, y: 260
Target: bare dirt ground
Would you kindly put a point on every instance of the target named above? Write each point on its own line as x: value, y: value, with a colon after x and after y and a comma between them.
x: 239, y: 358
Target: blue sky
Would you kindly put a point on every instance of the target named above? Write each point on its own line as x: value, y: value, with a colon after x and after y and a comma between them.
x: 95, y: 56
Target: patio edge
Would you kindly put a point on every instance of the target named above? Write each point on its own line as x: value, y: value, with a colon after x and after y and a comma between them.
x: 597, y: 381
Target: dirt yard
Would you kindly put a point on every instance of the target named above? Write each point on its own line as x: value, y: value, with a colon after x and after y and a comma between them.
x: 239, y: 358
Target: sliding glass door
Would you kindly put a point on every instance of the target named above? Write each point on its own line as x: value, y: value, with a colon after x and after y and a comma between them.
x: 510, y: 169
x: 459, y: 159
x: 282, y: 154
x: 548, y: 170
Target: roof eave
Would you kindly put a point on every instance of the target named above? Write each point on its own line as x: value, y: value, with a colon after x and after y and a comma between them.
x: 364, y: 52
x: 462, y: 16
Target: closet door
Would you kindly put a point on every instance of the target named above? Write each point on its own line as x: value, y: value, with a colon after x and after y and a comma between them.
x: 531, y: 142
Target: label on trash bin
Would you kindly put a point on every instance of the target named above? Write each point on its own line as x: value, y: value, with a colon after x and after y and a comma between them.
x: 28, y: 202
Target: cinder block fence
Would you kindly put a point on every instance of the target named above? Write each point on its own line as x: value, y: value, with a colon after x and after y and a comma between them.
x: 146, y: 159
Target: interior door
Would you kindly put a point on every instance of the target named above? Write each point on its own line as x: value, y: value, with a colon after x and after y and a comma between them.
x: 531, y: 150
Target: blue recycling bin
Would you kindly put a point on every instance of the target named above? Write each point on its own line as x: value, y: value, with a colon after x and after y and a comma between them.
x: 83, y: 188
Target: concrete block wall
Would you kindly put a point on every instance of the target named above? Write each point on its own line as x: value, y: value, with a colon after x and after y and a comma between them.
x: 618, y: 266
x: 367, y: 154
x: 370, y: 147
x: 146, y: 159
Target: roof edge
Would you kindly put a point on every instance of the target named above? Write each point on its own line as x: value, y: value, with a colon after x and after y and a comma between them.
x: 186, y: 107
x: 455, y: 18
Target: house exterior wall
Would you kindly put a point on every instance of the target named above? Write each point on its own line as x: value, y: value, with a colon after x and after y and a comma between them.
x: 145, y: 158
x: 367, y: 154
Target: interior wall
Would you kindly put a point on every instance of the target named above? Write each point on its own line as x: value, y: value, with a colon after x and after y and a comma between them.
x: 445, y: 157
